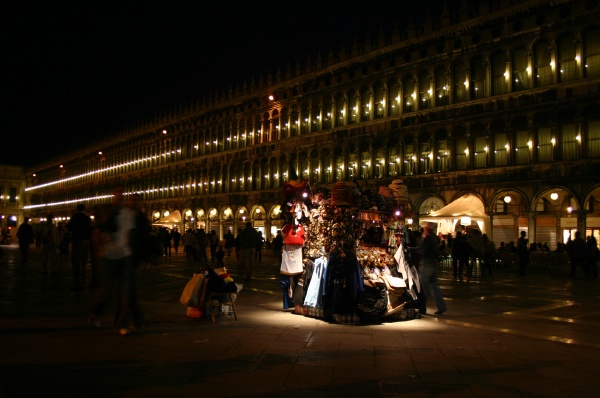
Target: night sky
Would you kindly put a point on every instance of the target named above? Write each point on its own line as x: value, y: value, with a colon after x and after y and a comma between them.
x: 78, y: 72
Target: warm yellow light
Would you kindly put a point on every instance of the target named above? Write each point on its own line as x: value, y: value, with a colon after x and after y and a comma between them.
x: 553, y: 196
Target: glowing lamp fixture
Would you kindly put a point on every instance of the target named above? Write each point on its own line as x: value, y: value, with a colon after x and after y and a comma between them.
x: 553, y: 196
x: 465, y: 221
x: 507, y: 199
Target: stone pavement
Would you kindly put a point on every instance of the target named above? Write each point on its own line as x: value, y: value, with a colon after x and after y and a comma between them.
x: 504, y: 335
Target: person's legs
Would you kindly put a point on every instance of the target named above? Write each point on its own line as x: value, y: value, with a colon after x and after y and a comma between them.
x: 437, y: 295
x: 76, y: 257
x: 24, y: 248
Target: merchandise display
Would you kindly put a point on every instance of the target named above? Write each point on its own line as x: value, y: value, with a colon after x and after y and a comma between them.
x: 349, y: 243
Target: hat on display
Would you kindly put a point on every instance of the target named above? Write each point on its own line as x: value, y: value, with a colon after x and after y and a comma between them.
x: 294, y: 185
x: 341, y: 195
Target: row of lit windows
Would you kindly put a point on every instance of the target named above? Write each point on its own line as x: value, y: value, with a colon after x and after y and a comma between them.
x: 422, y: 158
x: 451, y: 84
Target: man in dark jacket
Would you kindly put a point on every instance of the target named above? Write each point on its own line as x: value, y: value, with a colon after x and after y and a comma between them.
x: 26, y: 237
x: 80, y: 227
x: 249, y: 238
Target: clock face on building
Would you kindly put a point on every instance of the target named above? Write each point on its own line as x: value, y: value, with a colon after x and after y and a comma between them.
x: 431, y: 205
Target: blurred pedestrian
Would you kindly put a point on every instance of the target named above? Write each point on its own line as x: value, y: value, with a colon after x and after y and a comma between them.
x: 26, y: 237
x: 50, y: 245
x: 576, y: 250
x: 176, y: 235
x: 523, y: 252
x: 229, y: 238
x: 80, y: 226
x: 427, y: 270
x: 189, y: 241
x: 259, y: 246
x: 117, y: 225
x: 214, y: 242
x: 249, y: 238
x: 219, y: 256
x: 592, y: 257
x: 202, y: 240
x: 278, y: 245
x: 166, y: 241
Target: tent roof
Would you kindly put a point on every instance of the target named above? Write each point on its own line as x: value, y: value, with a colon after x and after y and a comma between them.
x: 467, y: 205
x: 173, y: 218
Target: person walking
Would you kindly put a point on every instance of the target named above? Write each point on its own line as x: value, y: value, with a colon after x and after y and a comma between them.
x: 592, y: 257
x: 189, y: 241
x: 203, y: 240
x: 523, y: 252
x: 50, y: 245
x: 176, y: 235
x: 115, y: 244
x: 427, y: 270
x: 219, y: 256
x: 80, y: 226
x: 577, y: 250
x: 249, y: 238
x: 489, y: 253
x: 460, y: 254
x: 214, y: 242
x: 26, y: 237
x: 229, y: 238
x: 259, y: 246
x: 278, y: 245
x: 166, y: 242
x: 238, y: 251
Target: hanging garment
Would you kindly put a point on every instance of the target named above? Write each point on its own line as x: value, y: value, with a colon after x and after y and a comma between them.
x: 314, y: 296
x: 302, y: 282
x: 344, y: 282
x: 291, y: 260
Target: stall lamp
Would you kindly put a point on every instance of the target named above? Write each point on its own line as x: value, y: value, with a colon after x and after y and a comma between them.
x: 507, y: 199
x: 465, y: 221
x: 553, y: 196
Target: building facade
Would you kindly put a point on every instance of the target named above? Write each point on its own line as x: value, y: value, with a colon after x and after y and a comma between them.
x: 498, y: 100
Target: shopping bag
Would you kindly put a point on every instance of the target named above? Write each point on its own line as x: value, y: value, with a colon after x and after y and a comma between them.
x: 192, y: 291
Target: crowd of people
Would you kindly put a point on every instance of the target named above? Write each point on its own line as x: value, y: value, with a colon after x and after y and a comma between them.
x: 469, y: 247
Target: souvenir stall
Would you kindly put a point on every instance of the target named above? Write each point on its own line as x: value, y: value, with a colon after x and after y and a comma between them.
x: 353, y: 266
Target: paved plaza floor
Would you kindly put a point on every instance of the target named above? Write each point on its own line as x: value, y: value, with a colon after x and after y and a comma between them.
x: 504, y: 335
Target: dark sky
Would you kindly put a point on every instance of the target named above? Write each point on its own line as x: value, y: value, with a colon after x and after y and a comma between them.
x: 81, y: 71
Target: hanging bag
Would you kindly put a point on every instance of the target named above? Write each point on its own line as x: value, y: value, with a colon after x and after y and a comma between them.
x: 190, y: 297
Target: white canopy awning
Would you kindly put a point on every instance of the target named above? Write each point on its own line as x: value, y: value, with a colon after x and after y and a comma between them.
x: 172, y: 220
x: 468, y: 207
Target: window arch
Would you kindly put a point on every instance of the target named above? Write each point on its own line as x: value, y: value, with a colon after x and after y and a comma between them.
x: 442, y: 86
x: 340, y: 109
x: 378, y: 100
x: 409, y: 95
x: 567, y: 62
x: 477, y: 84
x: 424, y: 90
x: 315, y: 116
x: 520, y: 70
x: 326, y: 115
x: 393, y: 98
x: 499, y: 74
x: 459, y: 81
x: 542, y: 58
x: 352, y: 107
x: 365, y: 104
x: 591, y: 53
